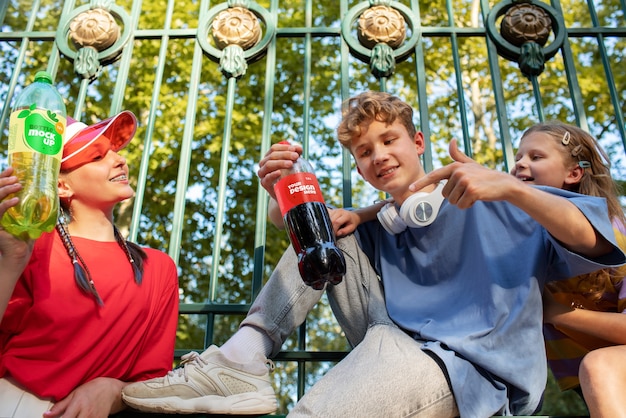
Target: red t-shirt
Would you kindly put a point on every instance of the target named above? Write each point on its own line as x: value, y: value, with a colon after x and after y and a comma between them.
x: 54, y: 337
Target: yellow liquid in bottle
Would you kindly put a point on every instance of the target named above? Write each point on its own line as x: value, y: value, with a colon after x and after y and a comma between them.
x: 38, y: 207
x: 37, y: 172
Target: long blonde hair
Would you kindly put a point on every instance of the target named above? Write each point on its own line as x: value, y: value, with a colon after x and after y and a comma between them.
x: 579, y: 147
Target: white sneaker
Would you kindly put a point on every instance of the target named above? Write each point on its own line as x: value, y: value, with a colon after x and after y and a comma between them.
x: 207, y: 383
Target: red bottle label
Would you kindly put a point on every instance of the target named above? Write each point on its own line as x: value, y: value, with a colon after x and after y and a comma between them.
x: 295, y: 189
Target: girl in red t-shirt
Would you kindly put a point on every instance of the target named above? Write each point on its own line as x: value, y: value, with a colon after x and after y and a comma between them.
x: 84, y: 312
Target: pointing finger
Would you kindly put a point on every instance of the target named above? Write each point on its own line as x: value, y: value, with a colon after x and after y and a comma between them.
x: 433, y: 177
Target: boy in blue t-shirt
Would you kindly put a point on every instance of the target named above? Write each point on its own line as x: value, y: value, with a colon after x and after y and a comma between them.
x: 442, y: 296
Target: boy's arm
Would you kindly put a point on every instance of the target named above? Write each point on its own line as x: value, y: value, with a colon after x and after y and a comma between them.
x: 277, y: 158
x: 273, y: 212
x: 282, y: 156
x: 468, y: 182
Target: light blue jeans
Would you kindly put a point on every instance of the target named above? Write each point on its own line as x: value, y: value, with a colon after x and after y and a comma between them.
x: 385, y: 375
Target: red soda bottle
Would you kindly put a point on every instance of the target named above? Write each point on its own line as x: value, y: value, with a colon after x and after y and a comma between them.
x: 309, y: 226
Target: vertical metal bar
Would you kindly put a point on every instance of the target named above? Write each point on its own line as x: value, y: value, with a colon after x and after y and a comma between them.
x: 538, y: 100
x: 346, y: 160
x: 209, y: 329
x: 422, y: 96
x: 382, y: 83
x: 185, y: 149
x: 306, y: 144
x: 496, y: 80
x: 610, y: 80
x: 307, y: 81
x: 4, y: 5
x: 125, y: 61
x: 80, y: 99
x: 262, y: 196
x: 221, y: 188
x: 6, y: 107
x: 147, y: 142
x: 55, y: 56
x: 458, y: 72
x: 572, y: 79
x: 424, y: 114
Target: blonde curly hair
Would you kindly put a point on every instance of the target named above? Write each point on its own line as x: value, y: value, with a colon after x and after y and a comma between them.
x: 361, y: 110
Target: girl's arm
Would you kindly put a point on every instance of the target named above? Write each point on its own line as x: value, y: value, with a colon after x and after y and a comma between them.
x: 345, y: 221
x: 14, y: 253
x: 609, y: 327
x: 97, y: 398
x: 468, y: 182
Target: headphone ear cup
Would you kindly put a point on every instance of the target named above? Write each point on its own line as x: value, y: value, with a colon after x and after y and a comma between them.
x: 414, y: 211
x: 421, y: 209
x: 390, y: 219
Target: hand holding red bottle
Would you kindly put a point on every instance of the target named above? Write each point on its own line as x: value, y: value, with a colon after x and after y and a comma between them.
x: 308, y: 223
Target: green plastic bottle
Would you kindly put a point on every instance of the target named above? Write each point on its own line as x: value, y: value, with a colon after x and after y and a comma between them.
x: 36, y: 129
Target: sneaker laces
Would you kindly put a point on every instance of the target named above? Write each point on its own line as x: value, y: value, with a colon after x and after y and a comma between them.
x: 194, y: 359
x: 190, y: 359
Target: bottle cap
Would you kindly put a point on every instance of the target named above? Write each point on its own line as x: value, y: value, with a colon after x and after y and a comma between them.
x: 44, y: 77
x: 288, y: 143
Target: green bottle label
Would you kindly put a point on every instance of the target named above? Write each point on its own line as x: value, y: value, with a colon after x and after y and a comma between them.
x: 37, y: 130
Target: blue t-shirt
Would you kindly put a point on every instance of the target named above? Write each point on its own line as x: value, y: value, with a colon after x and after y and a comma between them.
x: 469, y: 286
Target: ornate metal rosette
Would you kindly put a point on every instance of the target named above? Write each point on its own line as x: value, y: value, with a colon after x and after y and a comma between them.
x: 95, y: 35
x: 96, y: 28
x: 236, y: 26
x: 381, y: 24
x: 524, y: 32
x: 237, y: 34
x: 525, y: 22
x: 381, y: 36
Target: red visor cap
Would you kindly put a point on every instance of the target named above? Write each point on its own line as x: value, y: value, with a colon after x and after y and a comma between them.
x: 84, y: 144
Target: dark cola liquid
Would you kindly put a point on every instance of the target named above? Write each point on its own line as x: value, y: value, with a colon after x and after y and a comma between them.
x: 311, y: 234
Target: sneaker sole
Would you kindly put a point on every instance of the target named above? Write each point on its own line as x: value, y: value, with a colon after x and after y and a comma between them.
x: 250, y: 403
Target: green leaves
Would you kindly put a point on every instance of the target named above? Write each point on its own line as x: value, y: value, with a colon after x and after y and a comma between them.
x: 52, y: 116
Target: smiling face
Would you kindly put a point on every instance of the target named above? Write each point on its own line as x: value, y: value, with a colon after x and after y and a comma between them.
x: 101, y: 183
x: 542, y: 160
x: 388, y: 157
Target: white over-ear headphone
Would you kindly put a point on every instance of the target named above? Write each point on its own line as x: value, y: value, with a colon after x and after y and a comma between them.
x: 418, y: 210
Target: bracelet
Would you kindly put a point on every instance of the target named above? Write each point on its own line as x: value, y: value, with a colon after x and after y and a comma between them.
x: 576, y: 305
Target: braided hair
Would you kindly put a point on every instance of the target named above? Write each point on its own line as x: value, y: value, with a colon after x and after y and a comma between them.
x: 134, y: 253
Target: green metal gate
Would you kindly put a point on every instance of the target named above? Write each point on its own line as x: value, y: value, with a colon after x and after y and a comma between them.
x: 214, y: 84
